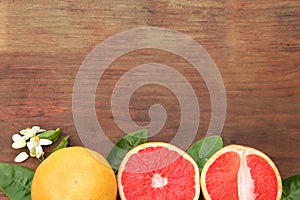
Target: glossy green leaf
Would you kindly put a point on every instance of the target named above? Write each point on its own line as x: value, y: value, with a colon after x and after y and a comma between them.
x: 63, y: 144
x: 203, y: 149
x: 291, y: 188
x: 124, y: 145
x: 52, y: 135
x: 15, y: 181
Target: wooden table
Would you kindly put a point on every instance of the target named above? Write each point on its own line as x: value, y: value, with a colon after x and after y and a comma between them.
x: 255, y: 45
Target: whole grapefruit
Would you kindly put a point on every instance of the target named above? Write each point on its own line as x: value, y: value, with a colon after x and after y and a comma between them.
x: 74, y: 173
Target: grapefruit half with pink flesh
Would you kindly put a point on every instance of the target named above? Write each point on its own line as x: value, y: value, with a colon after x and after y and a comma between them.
x: 157, y: 170
x: 240, y: 173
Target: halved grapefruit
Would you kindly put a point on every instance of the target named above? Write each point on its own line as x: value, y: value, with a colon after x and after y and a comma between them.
x: 158, y: 171
x: 240, y: 173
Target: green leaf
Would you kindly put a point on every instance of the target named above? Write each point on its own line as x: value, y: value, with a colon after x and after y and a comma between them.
x: 124, y: 145
x: 52, y: 135
x: 291, y: 188
x: 15, y: 181
x: 63, y: 144
x: 203, y: 149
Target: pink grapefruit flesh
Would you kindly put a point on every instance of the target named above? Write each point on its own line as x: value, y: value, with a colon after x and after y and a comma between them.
x: 240, y: 173
x: 159, y: 171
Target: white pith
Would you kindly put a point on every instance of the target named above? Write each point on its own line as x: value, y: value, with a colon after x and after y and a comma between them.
x: 246, y: 185
x: 244, y: 169
x: 157, y: 144
x: 158, y: 181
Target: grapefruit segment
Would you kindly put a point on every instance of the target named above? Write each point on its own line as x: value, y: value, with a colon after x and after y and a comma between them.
x: 263, y: 173
x: 221, y: 171
x: 240, y: 173
x: 158, y: 170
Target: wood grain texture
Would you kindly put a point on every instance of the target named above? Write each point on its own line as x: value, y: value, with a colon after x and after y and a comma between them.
x: 255, y: 44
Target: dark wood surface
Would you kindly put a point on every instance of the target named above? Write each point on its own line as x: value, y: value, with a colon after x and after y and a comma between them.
x: 255, y: 44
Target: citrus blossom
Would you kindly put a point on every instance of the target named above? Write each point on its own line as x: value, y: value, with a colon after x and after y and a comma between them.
x: 34, y: 144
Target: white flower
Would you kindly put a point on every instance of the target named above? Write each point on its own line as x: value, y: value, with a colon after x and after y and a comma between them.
x: 20, y: 141
x: 35, y: 146
x: 31, y: 132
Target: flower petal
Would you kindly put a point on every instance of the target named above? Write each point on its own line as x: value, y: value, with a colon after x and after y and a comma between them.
x: 31, y: 148
x: 45, y: 142
x: 38, y: 151
x: 30, y: 145
x: 28, y: 135
x: 21, y: 157
x: 23, y: 132
x: 19, y: 144
x: 37, y: 129
x: 17, y: 137
x: 41, y: 130
x: 26, y: 131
